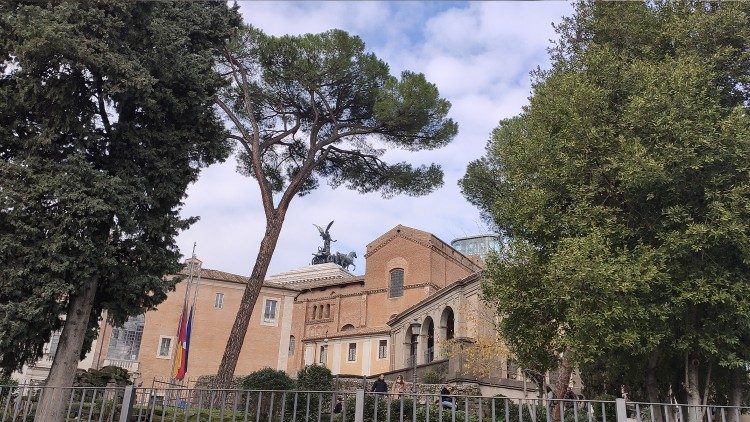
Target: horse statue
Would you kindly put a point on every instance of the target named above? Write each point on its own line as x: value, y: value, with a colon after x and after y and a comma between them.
x: 344, y: 260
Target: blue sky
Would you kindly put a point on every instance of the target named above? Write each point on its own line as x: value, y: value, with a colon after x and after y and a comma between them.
x: 478, y: 54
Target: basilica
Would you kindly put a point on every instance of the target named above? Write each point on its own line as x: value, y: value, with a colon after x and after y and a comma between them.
x: 417, y: 302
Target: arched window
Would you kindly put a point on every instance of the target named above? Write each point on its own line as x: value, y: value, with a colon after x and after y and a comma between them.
x: 314, y: 312
x: 328, y: 311
x: 320, y: 312
x: 448, y: 322
x: 291, y: 345
x: 396, y: 286
x: 429, y: 329
x: 347, y: 327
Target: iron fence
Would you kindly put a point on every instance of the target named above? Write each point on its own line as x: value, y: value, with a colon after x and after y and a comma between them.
x: 126, y: 404
x: 20, y: 403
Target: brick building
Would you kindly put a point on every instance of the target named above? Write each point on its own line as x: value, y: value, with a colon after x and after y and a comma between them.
x: 353, y: 324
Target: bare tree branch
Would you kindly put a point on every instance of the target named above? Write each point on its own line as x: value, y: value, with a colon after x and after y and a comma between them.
x: 238, y: 125
x: 255, y: 153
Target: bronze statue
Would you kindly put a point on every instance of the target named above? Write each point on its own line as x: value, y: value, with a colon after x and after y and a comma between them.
x: 324, y: 254
x: 326, y: 238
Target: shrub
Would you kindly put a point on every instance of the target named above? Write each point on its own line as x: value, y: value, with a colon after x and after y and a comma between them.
x: 267, y: 379
x: 432, y: 377
x: 101, y: 377
x: 315, y: 378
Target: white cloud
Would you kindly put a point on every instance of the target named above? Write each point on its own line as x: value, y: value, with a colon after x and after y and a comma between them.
x: 479, y: 55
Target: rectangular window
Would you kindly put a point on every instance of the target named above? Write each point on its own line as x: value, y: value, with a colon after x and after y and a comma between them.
x: 165, y: 347
x: 269, y: 313
x: 352, y: 356
x: 323, y: 355
x: 125, y: 342
x: 219, y: 301
x: 382, y: 349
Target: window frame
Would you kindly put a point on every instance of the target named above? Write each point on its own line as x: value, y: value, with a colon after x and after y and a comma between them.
x: 219, y: 300
x: 169, y: 350
x: 264, y: 319
x: 351, y: 352
x: 394, y: 293
x: 323, y: 355
x: 383, y: 346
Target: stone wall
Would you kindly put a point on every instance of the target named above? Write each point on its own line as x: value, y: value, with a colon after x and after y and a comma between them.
x: 460, y: 388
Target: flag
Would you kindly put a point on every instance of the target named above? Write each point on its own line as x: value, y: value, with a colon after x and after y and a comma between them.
x: 187, y: 341
x: 179, y: 350
x: 183, y: 345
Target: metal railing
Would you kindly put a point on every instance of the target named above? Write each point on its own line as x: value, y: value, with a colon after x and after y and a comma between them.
x: 20, y: 403
x: 126, y: 404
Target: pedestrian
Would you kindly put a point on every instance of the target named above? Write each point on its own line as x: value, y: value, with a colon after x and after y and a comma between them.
x: 399, y: 387
x: 338, y: 406
x: 446, y: 400
x: 570, y: 398
x: 380, y: 386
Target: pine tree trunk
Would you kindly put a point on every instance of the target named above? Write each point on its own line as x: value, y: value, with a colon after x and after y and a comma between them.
x: 652, y: 386
x: 62, y: 373
x: 563, y: 379
x: 231, y: 356
x: 692, y: 387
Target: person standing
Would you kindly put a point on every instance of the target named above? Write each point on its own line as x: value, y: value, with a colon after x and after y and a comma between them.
x: 446, y: 400
x: 399, y: 387
x: 380, y: 386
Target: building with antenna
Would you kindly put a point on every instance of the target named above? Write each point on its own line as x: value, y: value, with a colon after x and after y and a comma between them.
x: 357, y: 325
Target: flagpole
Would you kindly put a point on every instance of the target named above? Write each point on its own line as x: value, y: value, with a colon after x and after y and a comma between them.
x: 191, y: 315
x: 182, y: 315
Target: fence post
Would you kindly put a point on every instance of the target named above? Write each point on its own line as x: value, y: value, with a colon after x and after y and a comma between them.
x: 359, y: 406
x: 127, y: 403
x: 622, y: 410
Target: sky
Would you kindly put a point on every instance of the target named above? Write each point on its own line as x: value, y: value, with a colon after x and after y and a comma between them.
x: 478, y: 54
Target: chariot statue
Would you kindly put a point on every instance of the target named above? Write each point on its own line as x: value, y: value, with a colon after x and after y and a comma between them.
x: 324, y: 254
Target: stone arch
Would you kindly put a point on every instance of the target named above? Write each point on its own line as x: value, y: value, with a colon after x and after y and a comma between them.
x: 411, y: 342
x: 427, y: 340
x: 347, y: 327
x: 448, y: 323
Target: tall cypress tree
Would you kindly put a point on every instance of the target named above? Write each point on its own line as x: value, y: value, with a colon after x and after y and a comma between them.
x: 106, y: 116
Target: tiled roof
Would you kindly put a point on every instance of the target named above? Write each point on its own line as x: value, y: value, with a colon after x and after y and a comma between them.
x: 207, y: 273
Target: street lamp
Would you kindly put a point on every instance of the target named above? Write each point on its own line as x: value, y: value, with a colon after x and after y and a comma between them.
x: 415, y: 327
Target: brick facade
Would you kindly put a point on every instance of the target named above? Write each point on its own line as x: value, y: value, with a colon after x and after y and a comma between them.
x: 321, y: 311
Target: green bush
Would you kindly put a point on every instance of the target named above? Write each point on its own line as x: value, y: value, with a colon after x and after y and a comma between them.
x: 314, y: 378
x: 432, y: 377
x: 101, y: 377
x: 267, y: 379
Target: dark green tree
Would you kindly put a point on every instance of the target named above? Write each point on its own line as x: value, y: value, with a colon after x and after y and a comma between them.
x: 317, y: 106
x: 106, y: 116
x: 624, y: 191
